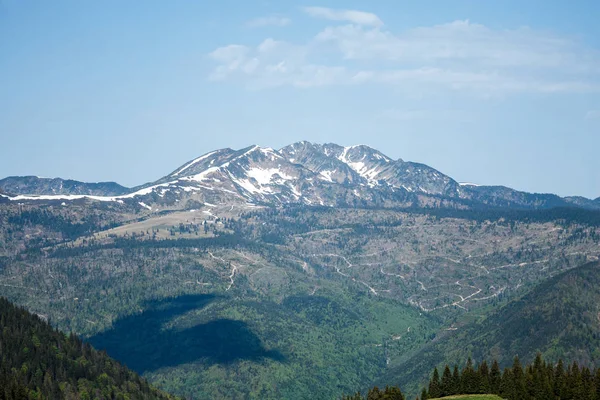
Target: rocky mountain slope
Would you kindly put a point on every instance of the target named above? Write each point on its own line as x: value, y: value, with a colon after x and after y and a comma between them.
x: 301, y: 173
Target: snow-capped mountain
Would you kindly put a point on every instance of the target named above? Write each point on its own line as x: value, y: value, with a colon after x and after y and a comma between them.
x: 362, y: 164
x: 305, y: 173
x: 301, y: 173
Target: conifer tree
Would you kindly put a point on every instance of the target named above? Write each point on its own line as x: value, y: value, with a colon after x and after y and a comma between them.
x: 469, y: 384
x: 507, y: 385
x: 374, y: 394
x: 483, y: 376
x: 434, y: 385
x: 520, y: 386
x: 575, y: 382
x: 588, y: 390
x: 597, y: 383
x: 559, y: 386
x: 495, y: 378
x: 446, y: 386
x: 393, y: 393
x: 455, y: 380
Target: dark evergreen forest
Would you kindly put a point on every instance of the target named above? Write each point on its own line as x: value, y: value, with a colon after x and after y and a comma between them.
x: 39, y: 362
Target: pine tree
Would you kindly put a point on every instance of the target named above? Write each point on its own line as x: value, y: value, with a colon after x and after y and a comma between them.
x: 588, y: 389
x: 495, y: 378
x: 469, y: 384
x: 575, y: 382
x: 597, y: 384
x: 507, y: 385
x: 375, y: 394
x: 520, y: 385
x: 456, y: 379
x: 393, y: 393
x: 434, y: 384
x: 559, y: 387
x: 446, y: 385
x: 483, y: 377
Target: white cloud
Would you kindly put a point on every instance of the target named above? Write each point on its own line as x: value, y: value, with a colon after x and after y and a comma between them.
x: 353, y: 16
x: 456, y: 42
x: 459, y: 56
x: 273, y: 63
x: 229, y: 53
x: 272, y: 20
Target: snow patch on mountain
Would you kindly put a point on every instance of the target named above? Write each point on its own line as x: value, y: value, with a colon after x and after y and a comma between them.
x: 364, y: 171
x: 247, y: 185
x: 265, y: 176
x: 202, y: 175
x: 196, y: 161
x: 270, y: 153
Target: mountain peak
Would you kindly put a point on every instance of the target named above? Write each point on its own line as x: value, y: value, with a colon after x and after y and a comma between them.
x: 300, y: 173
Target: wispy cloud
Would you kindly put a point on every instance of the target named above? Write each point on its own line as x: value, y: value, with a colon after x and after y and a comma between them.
x: 273, y: 63
x: 353, y: 16
x: 272, y: 20
x: 593, y: 114
x: 460, y: 56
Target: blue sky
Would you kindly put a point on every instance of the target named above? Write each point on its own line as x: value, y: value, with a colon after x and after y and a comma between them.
x: 487, y: 92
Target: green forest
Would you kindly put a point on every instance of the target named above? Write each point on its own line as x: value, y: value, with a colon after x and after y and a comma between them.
x: 297, y: 302
x: 40, y: 362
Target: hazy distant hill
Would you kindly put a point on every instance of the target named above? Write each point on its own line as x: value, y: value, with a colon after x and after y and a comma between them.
x: 56, y: 186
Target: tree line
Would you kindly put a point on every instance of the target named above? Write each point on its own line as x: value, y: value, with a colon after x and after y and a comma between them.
x: 539, y: 380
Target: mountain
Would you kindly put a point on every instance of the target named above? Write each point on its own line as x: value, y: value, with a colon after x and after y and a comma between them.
x: 364, y: 165
x: 41, y: 362
x: 219, y: 299
x: 301, y: 173
x: 559, y: 318
x: 584, y: 202
x: 34, y: 185
x: 504, y: 197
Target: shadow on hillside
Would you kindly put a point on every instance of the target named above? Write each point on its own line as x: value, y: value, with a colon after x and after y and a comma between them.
x: 142, y: 343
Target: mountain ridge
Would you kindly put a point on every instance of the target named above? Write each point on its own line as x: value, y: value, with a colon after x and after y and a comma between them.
x: 300, y: 173
x: 56, y: 186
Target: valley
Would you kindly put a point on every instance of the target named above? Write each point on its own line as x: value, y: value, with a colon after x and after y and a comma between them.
x: 221, y: 281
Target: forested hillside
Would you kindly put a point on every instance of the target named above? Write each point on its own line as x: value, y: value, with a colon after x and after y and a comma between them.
x: 39, y: 362
x: 559, y: 318
x: 258, y: 302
